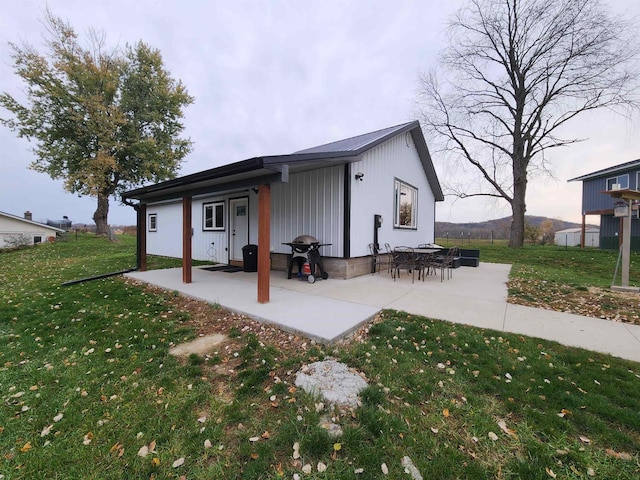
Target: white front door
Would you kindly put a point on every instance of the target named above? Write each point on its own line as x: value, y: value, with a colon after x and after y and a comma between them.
x: 239, y: 213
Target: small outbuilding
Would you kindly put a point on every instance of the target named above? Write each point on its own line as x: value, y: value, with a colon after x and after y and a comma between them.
x: 379, y: 187
x: 571, y: 237
x: 15, y: 231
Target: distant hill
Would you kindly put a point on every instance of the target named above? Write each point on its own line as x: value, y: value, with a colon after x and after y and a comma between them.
x: 498, y: 228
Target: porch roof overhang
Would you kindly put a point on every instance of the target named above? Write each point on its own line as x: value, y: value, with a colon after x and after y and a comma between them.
x: 239, y: 175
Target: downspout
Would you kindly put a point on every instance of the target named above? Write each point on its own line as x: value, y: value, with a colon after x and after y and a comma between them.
x: 346, y: 234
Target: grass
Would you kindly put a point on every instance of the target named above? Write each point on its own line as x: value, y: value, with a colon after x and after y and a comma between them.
x: 88, y: 387
x: 566, y: 279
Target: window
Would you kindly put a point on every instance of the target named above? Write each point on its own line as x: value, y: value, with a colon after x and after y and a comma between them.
x: 37, y: 239
x: 153, y: 222
x: 406, y: 205
x: 622, y: 180
x: 213, y: 216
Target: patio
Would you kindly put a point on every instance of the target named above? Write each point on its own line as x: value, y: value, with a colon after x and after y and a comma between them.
x: 332, y: 309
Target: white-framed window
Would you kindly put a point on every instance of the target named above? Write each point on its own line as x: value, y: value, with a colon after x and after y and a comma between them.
x: 153, y: 222
x: 405, y: 212
x: 213, y: 216
x: 621, y: 180
x: 37, y: 239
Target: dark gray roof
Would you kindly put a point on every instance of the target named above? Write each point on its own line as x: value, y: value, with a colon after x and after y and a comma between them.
x: 361, y: 142
x: 608, y: 171
x: 257, y: 170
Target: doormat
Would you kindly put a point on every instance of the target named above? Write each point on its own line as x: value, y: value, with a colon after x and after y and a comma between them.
x: 223, y: 268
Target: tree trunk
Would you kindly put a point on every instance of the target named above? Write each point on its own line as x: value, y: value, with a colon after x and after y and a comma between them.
x: 100, y: 215
x: 518, y: 205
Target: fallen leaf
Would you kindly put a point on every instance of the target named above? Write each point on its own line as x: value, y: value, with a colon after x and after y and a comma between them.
x: 321, y: 467
x: 384, y: 468
x: 493, y: 436
x: 550, y: 472
x: 179, y: 462
x: 358, y: 471
x: 115, y: 447
x: 254, y: 439
x: 434, y: 430
x: 503, y: 426
x: 45, y: 431
x: 591, y: 472
x: 202, y: 419
x: 584, y: 440
x: 445, y: 413
x: 144, y: 451
x: 306, y: 469
x: 26, y: 447
x: 152, y: 446
x: 207, y: 443
x: 337, y: 446
x: 255, y: 456
x: 87, y: 438
x: 266, y: 435
x: 155, y: 462
x: 58, y: 417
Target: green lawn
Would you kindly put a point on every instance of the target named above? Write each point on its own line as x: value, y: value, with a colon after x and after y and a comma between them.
x: 89, y: 391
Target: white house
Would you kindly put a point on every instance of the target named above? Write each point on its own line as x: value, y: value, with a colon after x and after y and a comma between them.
x: 23, y: 230
x: 334, y: 192
x: 570, y: 237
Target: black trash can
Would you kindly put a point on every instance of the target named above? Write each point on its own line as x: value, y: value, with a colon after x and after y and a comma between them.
x: 250, y: 258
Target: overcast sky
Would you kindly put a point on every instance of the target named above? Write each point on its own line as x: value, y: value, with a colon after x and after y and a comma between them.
x: 273, y: 77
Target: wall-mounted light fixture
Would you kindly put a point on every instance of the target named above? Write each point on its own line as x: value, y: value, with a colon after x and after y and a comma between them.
x: 359, y: 176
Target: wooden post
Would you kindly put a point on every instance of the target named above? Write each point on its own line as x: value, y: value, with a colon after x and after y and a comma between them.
x: 626, y: 244
x: 583, y: 232
x: 264, y: 242
x: 186, y: 240
x: 142, y: 237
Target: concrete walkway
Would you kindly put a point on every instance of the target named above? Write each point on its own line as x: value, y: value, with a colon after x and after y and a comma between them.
x: 331, y: 309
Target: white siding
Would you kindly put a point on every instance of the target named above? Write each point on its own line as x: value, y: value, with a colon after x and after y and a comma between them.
x: 375, y: 195
x: 311, y: 203
x: 10, y: 227
x: 167, y: 240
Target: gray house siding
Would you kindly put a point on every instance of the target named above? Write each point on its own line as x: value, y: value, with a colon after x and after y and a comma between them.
x: 594, y: 202
x: 610, y: 233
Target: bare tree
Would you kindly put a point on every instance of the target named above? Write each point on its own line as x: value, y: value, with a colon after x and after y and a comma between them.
x: 514, y: 72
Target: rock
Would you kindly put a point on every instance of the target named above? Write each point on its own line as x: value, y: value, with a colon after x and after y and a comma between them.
x: 333, y: 381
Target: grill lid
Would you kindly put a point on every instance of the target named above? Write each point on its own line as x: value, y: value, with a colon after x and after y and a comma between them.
x: 305, y: 240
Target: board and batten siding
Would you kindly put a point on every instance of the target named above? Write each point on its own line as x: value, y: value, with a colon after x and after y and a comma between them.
x: 311, y: 203
x: 395, y: 158
x: 167, y: 240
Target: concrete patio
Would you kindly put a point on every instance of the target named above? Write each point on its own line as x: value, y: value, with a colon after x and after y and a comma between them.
x: 329, y: 310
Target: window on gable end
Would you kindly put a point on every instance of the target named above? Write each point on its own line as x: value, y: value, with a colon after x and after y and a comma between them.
x: 405, y: 205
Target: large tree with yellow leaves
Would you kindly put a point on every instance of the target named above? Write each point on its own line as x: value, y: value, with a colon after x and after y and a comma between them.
x: 103, y: 120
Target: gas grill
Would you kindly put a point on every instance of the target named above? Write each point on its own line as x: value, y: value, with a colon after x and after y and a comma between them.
x: 305, y: 249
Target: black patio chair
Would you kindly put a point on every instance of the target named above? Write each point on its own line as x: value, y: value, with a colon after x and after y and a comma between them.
x: 445, y: 262
x: 380, y: 259
x: 404, y: 258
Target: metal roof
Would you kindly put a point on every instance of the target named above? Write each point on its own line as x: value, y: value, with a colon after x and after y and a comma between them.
x: 607, y: 171
x: 275, y: 168
x: 362, y: 142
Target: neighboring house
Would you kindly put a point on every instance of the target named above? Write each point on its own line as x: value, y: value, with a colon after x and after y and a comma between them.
x: 595, y: 201
x: 570, y: 237
x: 16, y: 230
x: 332, y: 192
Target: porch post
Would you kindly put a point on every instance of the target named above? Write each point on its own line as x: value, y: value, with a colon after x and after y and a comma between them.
x: 583, y: 232
x: 186, y: 240
x: 264, y: 242
x: 142, y: 237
